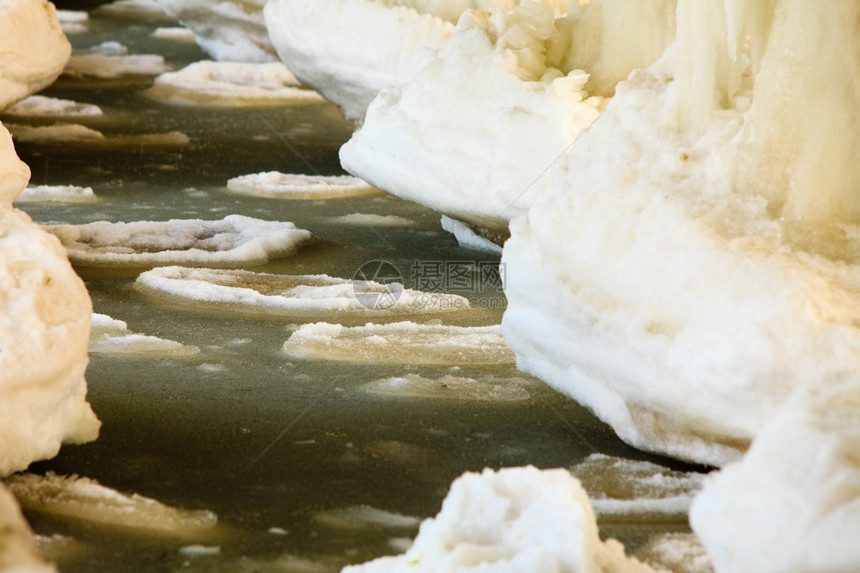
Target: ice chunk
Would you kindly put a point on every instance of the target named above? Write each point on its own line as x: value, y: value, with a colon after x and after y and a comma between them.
x: 400, y: 343
x: 73, y: 21
x: 111, y: 336
x: 516, y: 519
x: 676, y: 553
x: 448, y: 387
x: 372, y: 220
x: 19, y: 553
x: 296, y: 186
x: 235, y: 240
x: 43, y: 106
x: 57, y: 194
x: 133, y: 9
x: 110, y: 60
x: 364, y: 516
x: 83, y: 135
x: 86, y: 499
x: 175, y: 34
x: 468, y: 238
x: 232, y: 84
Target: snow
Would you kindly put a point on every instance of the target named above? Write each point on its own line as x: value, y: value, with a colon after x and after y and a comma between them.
x: 516, y: 519
x: 111, y: 60
x: 232, y: 84
x: 364, y: 516
x: 84, y: 498
x: 296, y: 296
x: 235, y: 240
x: 298, y: 186
x: 56, y: 194
x: 43, y: 106
x: 231, y: 30
x: 400, y: 343
x: 676, y: 553
x: 111, y: 336
x: 19, y: 554
x: 33, y: 48
x: 468, y: 238
x: 448, y: 387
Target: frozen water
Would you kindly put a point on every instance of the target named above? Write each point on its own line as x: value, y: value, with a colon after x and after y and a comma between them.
x: 43, y: 106
x: 372, y: 220
x: 73, y: 21
x: 450, y: 387
x: 110, y: 60
x: 174, y: 34
x: 363, y: 516
x: 297, y: 186
x: 111, y: 336
x: 57, y: 194
x: 468, y: 238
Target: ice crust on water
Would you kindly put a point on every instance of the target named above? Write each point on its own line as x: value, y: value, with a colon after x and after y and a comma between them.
x: 364, y: 516
x: 43, y: 106
x: 296, y: 296
x: 232, y: 84
x: 133, y: 9
x: 516, y: 519
x: 448, y: 387
x: 60, y: 133
x: 57, y: 194
x: 111, y: 336
x: 175, y: 34
x: 372, y: 220
x: 19, y: 553
x: 299, y: 186
x: 111, y: 60
x: 400, y: 343
x: 233, y: 241
x: 86, y: 499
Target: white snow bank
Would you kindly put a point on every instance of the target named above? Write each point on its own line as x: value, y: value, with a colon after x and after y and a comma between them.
x: 33, y: 48
x: 112, y: 336
x: 57, y: 194
x: 793, y: 503
x: 59, y: 133
x: 86, y: 499
x: 448, y: 387
x: 296, y: 296
x: 43, y: 106
x: 297, y: 186
x: 110, y: 60
x: 235, y: 240
x: 400, y: 343
x: 468, y: 238
x: 73, y: 21
x: 513, y: 520
x: 364, y: 516
x: 232, y: 84
x: 19, y: 553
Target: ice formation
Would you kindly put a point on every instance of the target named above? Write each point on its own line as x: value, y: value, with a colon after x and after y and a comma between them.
x: 364, y: 516
x: 43, y: 106
x: 468, y: 238
x: 297, y: 186
x: 60, y: 133
x: 400, y: 343
x: 516, y: 519
x: 232, y: 84
x: 235, y: 240
x: 448, y: 387
x: 56, y: 194
x: 133, y: 9
x: 175, y: 34
x: 230, y: 30
x: 73, y: 21
x: 84, y: 498
x: 306, y: 297
x: 111, y: 60
x: 111, y: 336
x: 33, y: 48
x: 18, y: 552
x: 372, y: 220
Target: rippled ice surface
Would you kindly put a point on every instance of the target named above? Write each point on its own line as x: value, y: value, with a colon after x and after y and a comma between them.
x: 274, y: 446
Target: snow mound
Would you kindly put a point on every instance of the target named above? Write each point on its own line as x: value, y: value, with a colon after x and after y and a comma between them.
x: 57, y: 194
x: 297, y: 186
x: 233, y: 241
x: 43, y: 106
x: 111, y: 60
x: 448, y: 387
x: 111, y: 336
x: 400, y: 343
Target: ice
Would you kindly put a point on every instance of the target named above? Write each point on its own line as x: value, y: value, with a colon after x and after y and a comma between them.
x: 676, y: 553
x: 448, y: 387
x: 112, y: 336
x: 231, y: 30
x: 232, y: 84
x: 291, y: 296
x: 60, y: 133
x: 468, y: 238
x: 200, y: 550
x: 56, y: 194
x: 400, y: 343
x: 364, y: 516
x: 175, y: 34
x: 297, y: 186
x: 233, y: 241
x: 133, y: 9
x: 372, y: 220
x: 43, y: 106
x: 111, y: 60
x: 516, y: 519
x: 85, y: 499
x: 19, y: 553
x: 73, y: 21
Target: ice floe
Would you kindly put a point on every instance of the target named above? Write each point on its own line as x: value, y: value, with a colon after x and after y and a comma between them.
x: 235, y: 240
x: 295, y: 296
x: 60, y: 133
x: 133, y: 9
x: 111, y: 60
x: 364, y: 516
x: 57, y: 194
x: 111, y: 336
x: 400, y: 343
x: 232, y: 84
x: 19, y: 552
x: 86, y: 499
x: 298, y: 186
x: 467, y: 237
x: 73, y: 21
x: 448, y: 387
x: 43, y: 106
x: 174, y: 34
x: 372, y: 220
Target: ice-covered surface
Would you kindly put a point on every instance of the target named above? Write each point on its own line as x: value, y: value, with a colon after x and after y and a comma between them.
x: 231, y: 30
x: 298, y: 186
x: 297, y: 296
x: 619, y: 487
x: 43, y: 106
x: 468, y: 238
x: 18, y: 552
x: 112, y: 336
x: 516, y: 519
x: 792, y: 504
x: 57, y: 194
x: 676, y: 553
x: 372, y: 220
x: 235, y: 240
x: 449, y: 387
x: 232, y: 84
x: 133, y: 9
x: 33, y: 48
x: 60, y: 133
x: 45, y: 324
x: 111, y: 60
x: 400, y: 343
x: 175, y: 34
x: 86, y: 499
x: 73, y: 21
x: 363, y: 516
